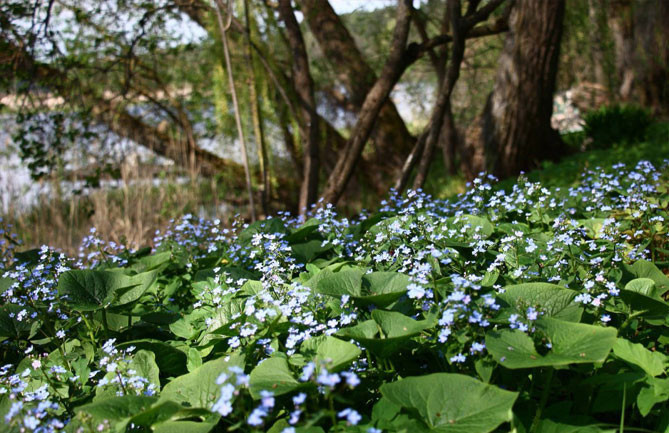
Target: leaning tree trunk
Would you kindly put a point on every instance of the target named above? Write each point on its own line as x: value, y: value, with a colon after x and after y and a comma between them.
x: 391, y: 140
x: 515, y: 130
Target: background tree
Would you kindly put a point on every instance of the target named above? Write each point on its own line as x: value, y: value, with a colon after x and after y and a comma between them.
x: 515, y: 131
x: 323, y: 96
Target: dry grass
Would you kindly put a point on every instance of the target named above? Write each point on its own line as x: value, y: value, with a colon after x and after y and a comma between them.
x: 128, y: 214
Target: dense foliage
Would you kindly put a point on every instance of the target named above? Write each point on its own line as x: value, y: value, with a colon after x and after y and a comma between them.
x: 533, y: 309
x: 625, y: 124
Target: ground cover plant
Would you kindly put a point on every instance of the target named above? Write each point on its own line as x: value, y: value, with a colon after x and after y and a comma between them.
x: 527, y: 309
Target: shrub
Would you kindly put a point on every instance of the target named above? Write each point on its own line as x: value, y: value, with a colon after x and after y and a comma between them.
x: 625, y: 124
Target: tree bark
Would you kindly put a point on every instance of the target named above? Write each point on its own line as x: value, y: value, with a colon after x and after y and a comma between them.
x: 653, y: 54
x: 596, y: 11
x: 515, y: 131
x: 640, y: 31
x: 392, y: 141
x: 304, y: 87
x: 371, y: 107
x: 621, y: 22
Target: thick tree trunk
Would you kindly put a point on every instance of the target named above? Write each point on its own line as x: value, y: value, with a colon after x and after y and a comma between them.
x: 304, y: 87
x: 516, y: 132
x: 596, y: 13
x: 621, y: 23
x: 653, y: 54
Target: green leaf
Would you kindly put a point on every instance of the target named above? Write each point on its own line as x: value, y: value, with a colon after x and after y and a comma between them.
x: 304, y: 231
x: 362, y: 331
x: 654, y: 391
x: 117, y: 408
x: 394, y: 324
x: 155, y: 261
x: 382, y: 288
x: 550, y: 426
x: 452, y: 403
x: 144, y: 363
x: 164, y: 411
x: 387, y: 332
x: 170, y: 360
x: 272, y: 374
x: 551, y: 299
x: 572, y: 343
x: 646, y: 269
x: 194, y: 359
x: 88, y: 290
x: 377, y: 288
x: 307, y: 251
x: 592, y: 226
x: 651, y: 362
x: 198, y: 388
x: 185, y: 427
x: 641, y: 294
x: 134, y: 287
x: 336, y: 354
x: 345, y: 282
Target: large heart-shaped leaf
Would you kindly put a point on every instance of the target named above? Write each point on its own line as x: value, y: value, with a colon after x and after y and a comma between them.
x: 170, y: 360
x: 89, y: 290
x: 377, y: 288
x: 382, y: 288
x: 118, y: 410
x: 345, y: 282
x: 641, y: 294
x: 387, y: 332
x: 646, y: 269
x: 272, y: 374
x: 395, y: 325
x: 653, y: 392
x: 198, y: 389
x: 452, y: 403
x: 330, y: 352
x: 336, y: 354
x: 550, y: 299
x: 572, y: 343
x: 652, y: 363
x: 307, y: 251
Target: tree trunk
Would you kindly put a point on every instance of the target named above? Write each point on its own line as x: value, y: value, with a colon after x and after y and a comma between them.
x: 442, y: 125
x: 650, y: 55
x: 391, y: 139
x: 515, y: 131
x: 304, y: 87
x: 621, y: 22
x: 596, y: 11
x: 375, y: 99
